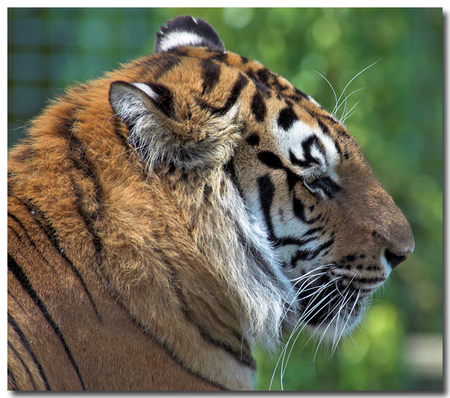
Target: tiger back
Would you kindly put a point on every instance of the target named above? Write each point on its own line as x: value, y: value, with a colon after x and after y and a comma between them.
x: 168, y: 216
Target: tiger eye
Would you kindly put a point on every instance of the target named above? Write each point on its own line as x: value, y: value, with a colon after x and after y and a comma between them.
x: 310, y: 179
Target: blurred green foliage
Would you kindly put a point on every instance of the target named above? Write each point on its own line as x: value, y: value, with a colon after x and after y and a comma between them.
x: 398, y: 122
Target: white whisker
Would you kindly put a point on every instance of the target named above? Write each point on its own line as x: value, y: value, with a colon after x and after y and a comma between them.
x: 351, y: 80
x: 300, y: 324
x: 348, y: 318
x: 349, y: 113
x: 332, y: 89
x: 342, y: 304
x: 344, y: 101
x: 303, y: 318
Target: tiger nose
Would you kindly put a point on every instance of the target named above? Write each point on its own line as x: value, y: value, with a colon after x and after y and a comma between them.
x: 396, y: 259
x: 398, y: 252
x: 397, y: 238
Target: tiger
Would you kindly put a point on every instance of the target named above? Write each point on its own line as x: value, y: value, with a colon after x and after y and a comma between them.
x: 167, y: 217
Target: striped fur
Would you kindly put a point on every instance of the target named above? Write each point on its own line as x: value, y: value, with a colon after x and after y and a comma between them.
x: 165, y: 218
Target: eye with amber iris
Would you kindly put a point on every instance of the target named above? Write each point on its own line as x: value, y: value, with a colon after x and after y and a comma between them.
x: 321, y: 184
x: 311, y: 179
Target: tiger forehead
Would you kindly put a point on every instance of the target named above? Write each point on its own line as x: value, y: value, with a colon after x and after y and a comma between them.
x: 187, y: 63
x: 226, y: 77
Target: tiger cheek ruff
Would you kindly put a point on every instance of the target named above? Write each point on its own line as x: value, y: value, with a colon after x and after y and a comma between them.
x: 165, y: 218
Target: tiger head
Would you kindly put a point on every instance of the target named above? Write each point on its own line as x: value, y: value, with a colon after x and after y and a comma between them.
x: 335, y: 231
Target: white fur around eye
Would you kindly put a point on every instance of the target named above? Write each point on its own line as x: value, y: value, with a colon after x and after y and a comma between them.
x: 291, y: 141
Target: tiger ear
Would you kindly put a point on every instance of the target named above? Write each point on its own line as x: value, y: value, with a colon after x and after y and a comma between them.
x: 164, y: 137
x: 187, y: 31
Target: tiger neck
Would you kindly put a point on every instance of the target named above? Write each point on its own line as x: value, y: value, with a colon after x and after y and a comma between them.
x: 172, y: 281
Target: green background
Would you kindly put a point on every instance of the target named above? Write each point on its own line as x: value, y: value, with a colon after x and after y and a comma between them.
x: 398, y: 123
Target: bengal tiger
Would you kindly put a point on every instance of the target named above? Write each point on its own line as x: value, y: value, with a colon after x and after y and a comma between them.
x: 165, y: 218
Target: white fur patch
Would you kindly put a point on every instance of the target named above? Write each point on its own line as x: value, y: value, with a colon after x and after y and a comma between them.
x: 387, y: 267
x: 263, y: 298
x: 291, y: 141
x: 178, y: 39
x: 146, y: 89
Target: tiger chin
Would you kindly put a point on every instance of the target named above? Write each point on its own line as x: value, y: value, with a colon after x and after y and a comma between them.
x: 165, y: 218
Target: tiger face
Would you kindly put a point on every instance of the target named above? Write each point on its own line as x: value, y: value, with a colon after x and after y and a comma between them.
x: 336, y: 232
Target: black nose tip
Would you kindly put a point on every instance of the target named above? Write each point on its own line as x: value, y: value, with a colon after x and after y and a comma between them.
x: 394, y: 259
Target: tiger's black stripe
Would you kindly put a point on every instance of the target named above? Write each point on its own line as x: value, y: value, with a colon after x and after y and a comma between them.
x: 15, y: 352
x: 263, y: 75
x: 235, y: 92
x: 123, y: 137
x: 219, y: 56
x: 244, y: 60
x: 230, y: 171
x: 286, y: 118
x: 256, y: 254
x: 258, y: 107
x: 26, y: 344
x: 261, y: 87
x: 250, y: 362
x: 210, y: 75
x: 78, y: 156
x: 164, y: 103
x: 266, y: 190
x: 312, y: 231
x: 89, y: 222
x: 271, y: 160
x: 368, y: 281
x: 51, y: 235
x: 165, y: 65
x: 15, y: 299
x: 260, y: 261
x: 299, y: 94
x: 299, y: 211
x: 13, y: 379
x: 23, y: 280
x: 308, y: 255
x: 326, y: 131
x: 307, y: 146
x: 266, y: 194
x: 290, y: 240
x: 81, y: 162
x: 330, y: 118
x: 253, y: 140
x: 173, y: 355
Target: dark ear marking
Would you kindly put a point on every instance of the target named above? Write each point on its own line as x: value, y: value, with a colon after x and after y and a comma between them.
x: 164, y: 102
x: 187, y: 31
